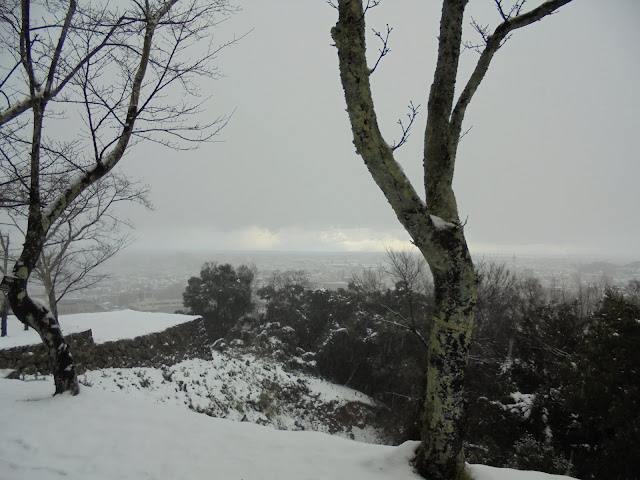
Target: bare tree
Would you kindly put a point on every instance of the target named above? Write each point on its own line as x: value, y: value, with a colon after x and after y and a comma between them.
x: 495, y: 312
x: 632, y: 290
x: 409, y: 272
x: 497, y: 287
x: 371, y: 282
x: 279, y: 280
x: 434, y: 225
x: 127, y: 72
x: 87, y: 235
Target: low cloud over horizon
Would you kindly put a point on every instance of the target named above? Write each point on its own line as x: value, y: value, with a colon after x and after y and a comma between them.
x: 335, y: 239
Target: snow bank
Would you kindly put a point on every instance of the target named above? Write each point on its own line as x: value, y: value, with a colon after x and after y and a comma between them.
x: 102, y: 435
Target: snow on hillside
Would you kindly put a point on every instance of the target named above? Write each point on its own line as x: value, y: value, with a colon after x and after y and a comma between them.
x: 245, y: 388
x: 100, y: 435
x: 105, y: 326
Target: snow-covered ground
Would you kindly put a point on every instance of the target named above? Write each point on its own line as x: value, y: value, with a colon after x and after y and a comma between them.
x: 105, y: 326
x: 101, y: 435
x: 135, y: 424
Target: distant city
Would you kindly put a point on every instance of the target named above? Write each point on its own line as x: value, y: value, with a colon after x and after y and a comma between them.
x: 151, y: 281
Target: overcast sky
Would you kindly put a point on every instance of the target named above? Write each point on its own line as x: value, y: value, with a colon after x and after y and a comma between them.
x: 549, y: 166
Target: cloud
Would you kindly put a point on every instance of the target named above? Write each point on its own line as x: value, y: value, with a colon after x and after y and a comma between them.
x: 256, y: 238
x: 332, y: 239
x: 289, y: 238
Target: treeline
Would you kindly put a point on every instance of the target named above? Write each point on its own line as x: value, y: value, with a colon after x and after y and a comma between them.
x: 553, y: 382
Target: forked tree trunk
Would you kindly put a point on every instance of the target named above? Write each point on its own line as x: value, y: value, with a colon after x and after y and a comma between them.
x: 434, y: 225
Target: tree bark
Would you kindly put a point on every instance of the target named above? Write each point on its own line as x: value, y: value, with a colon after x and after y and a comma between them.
x: 441, y: 455
x: 40, y: 319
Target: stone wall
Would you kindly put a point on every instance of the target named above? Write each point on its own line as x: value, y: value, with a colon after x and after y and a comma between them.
x: 187, y: 340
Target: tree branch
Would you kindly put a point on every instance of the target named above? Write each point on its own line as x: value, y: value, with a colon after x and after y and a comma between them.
x: 493, y: 43
x: 384, y: 50
x: 411, y: 116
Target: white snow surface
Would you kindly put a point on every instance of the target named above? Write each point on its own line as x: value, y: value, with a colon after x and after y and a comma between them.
x: 100, y: 435
x: 105, y: 326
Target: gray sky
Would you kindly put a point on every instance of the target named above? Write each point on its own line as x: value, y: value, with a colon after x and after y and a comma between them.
x: 549, y: 166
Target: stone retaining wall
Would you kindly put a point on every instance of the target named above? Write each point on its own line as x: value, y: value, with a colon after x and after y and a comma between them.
x: 187, y: 340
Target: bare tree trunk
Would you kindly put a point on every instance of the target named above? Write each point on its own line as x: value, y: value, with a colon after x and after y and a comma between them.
x: 441, y: 454
x: 37, y: 316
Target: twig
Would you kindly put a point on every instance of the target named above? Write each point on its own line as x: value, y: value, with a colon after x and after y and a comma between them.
x: 385, y: 46
x: 515, y: 10
x: 467, y: 131
x: 413, y: 113
x: 371, y: 4
x: 483, y: 31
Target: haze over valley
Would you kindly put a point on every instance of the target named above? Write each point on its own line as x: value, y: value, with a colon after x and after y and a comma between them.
x: 155, y: 281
